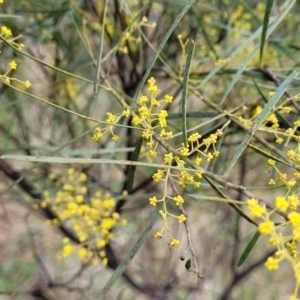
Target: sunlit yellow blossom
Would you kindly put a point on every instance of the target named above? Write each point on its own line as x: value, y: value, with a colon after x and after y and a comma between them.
x: 67, y: 250
x: 111, y: 118
x: 21, y: 47
x: 168, y: 157
x: 184, y: 150
x: 181, y: 218
x: 162, y: 214
x: 294, y: 218
x: 146, y: 134
x: 209, y: 156
x: 272, y: 264
x: 153, y: 201
x: 194, y: 137
x: 155, y: 103
x: 126, y: 113
x: 162, y: 118
x: 271, y: 182
x: 168, y: 99
x: 178, y: 200
x: 158, y: 235
x: 293, y: 202
x: 287, y: 109
x: 257, y: 211
x: 6, y: 31
x: 144, y: 112
x: 136, y: 120
x: 271, y: 162
x: 158, y: 175
x: 291, y: 154
x: 13, y: 65
x: 27, y: 84
x: 79, y: 198
x: 281, y: 203
x: 290, y: 184
x: 198, y: 160
x: 265, y: 227
x: 98, y: 135
x: 115, y: 138
x: 144, y: 99
x: 175, y: 243
x: 282, y: 176
x: 153, y: 153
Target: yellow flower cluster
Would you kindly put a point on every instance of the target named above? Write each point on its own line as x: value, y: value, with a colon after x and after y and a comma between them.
x: 282, y: 177
x: 130, y: 40
x: 286, y: 241
x: 271, y: 124
x: 5, y: 34
x: 111, y: 119
x: 91, y: 218
x: 151, y: 117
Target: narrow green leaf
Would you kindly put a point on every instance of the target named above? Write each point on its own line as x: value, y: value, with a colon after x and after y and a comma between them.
x: 273, y: 24
x: 234, y: 206
x: 238, y: 73
x: 265, y: 28
x: 268, y: 155
x: 190, y: 54
x: 248, y: 249
x: 66, y: 160
x: 101, y: 43
x: 258, y: 75
x: 8, y: 16
x: 211, y: 45
x: 263, y: 115
x: 193, y: 114
x: 129, y: 256
x: 132, y: 168
x: 279, y: 116
x: 162, y: 44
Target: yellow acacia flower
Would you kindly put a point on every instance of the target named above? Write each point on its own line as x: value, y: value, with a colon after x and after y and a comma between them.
x: 168, y: 98
x: 184, y: 150
x: 168, y: 157
x: 194, y: 137
x: 144, y: 99
x: 13, y: 65
x: 67, y: 250
x: 146, y: 134
x: 294, y: 218
x: 153, y: 201
x: 27, y: 84
x: 115, y: 138
x: 158, y: 235
x: 178, y: 200
x: 272, y: 264
x: 181, y: 218
x: 111, y: 118
x: 6, y: 31
x: 265, y: 227
x: 126, y: 113
x: 158, y: 175
x: 175, y: 243
x: 281, y: 203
